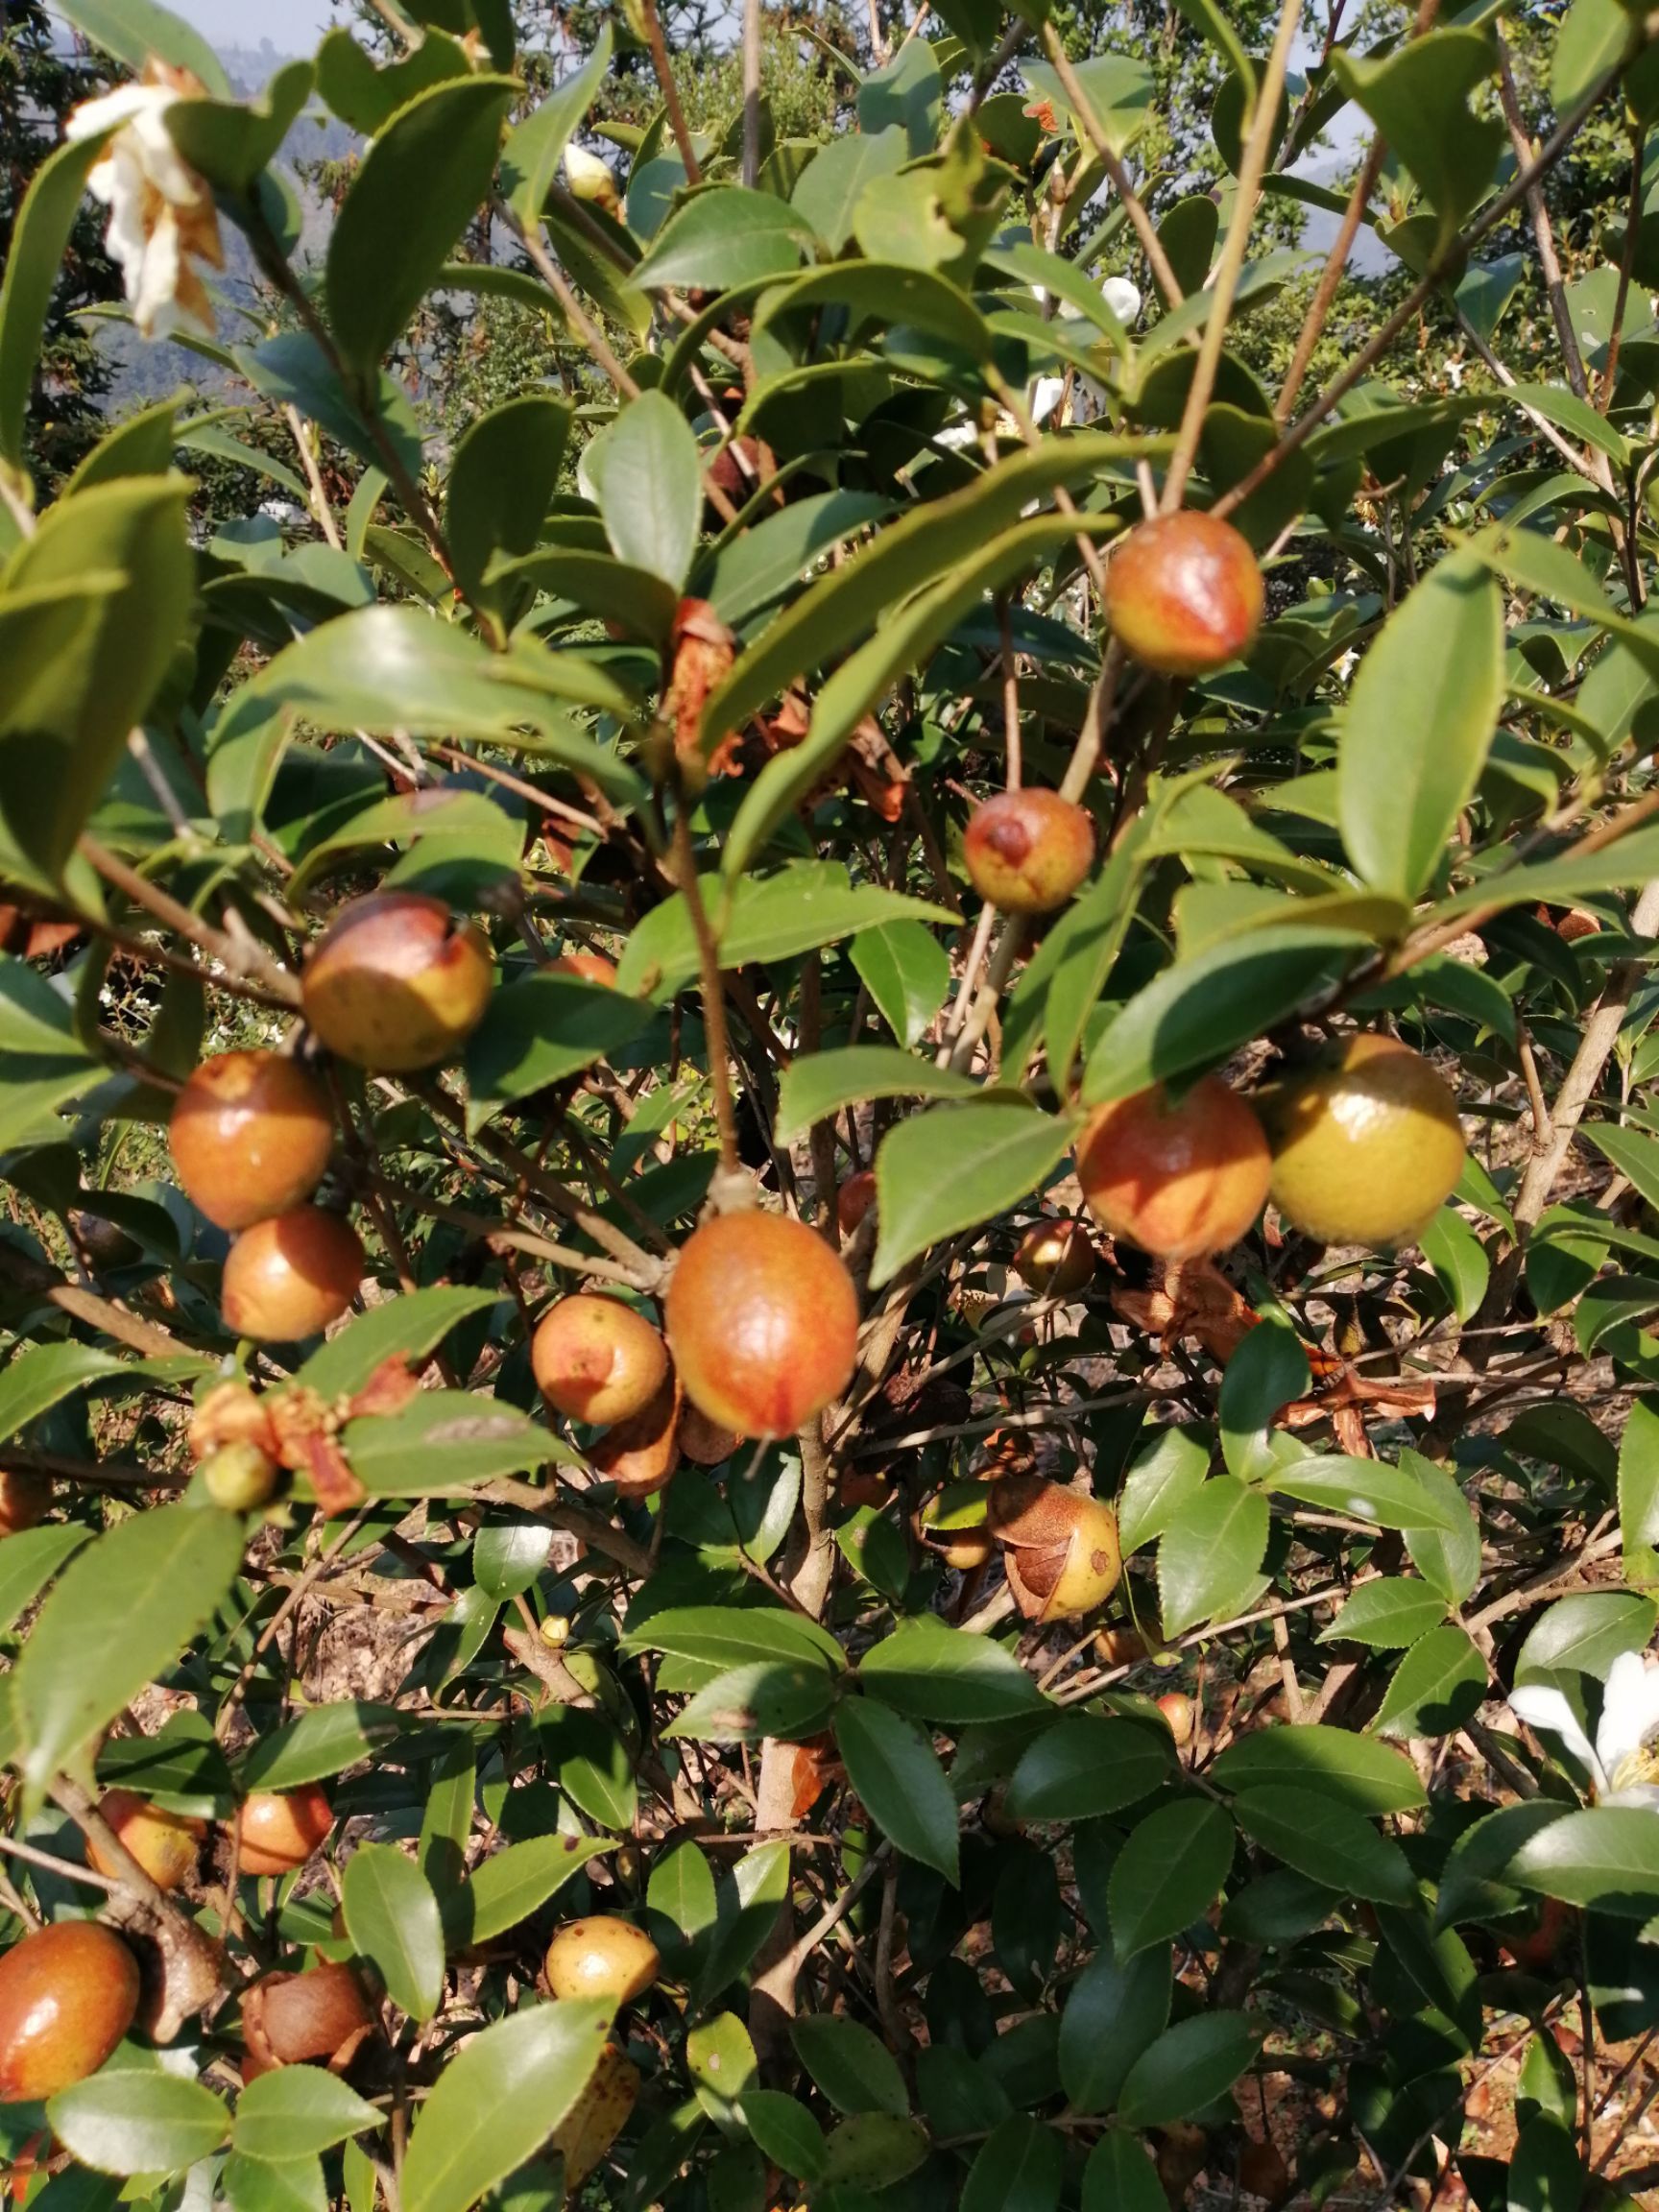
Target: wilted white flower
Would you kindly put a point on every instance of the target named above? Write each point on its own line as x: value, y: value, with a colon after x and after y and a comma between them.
x: 1122, y: 297
x: 162, y: 220
x: 1621, y: 1760
x: 590, y: 178
x: 957, y: 436
x: 1045, y: 394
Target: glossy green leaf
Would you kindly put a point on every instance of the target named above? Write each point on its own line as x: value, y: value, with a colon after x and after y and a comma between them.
x: 1112, y: 2013
x: 1587, y: 1632
x: 1084, y: 1765
x: 534, y: 149
x: 785, y: 1698
x: 784, y: 2131
x: 1352, y: 1770
x: 1265, y: 1373
x: 721, y: 238
x: 1169, y: 1471
x: 404, y: 1329
x: 906, y: 971
x: 954, y: 1166
x: 1120, y: 2176
x: 1168, y: 1873
x: 502, y: 481
x: 818, y: 1085
x: 1438, y: 1685
x: 1387, y: 1614
x: 27, y: 1562
x: 717, y: 1637
x: 543, y: 1030
x: 1368, y: 1490
x: 131, y: 2117
x: 294, y: 2111
x: 896, y: 1772
x: 1607, y: 1857
x: 1321, y: 1837
x: 134, y: 29
x: 323, y: 1742
x: 1019, y: 2169
x: 649, y: 482
x: 836, y: 177
x: 40, y: 234
x: 512, y: 1883
x: 496, y: 2100
x: 1639, y: 1494
x: 391, y: 1918
x: 1209, y: 1560
x: 851, y: 2068
x: 936, y: 1673
x: 1189, y: 2067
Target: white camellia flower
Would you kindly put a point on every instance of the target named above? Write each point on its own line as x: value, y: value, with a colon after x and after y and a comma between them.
x: 1122, y: 297
x: 162, y: 220
x: 1045, y: 394
x: 1621, y: 1762
x: 590, y: 178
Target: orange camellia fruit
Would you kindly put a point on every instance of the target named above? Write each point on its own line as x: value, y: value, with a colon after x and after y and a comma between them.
x: 590, y: 967
x: 1184, y: 595
x: 291, y: 1276
x: 250, y: 1135
x: 1055, y: 1259
x: 1026, y: 852
x: 601, y: 1956
x: 1060, y: 1547
x: 1366, y: 1145
x: 398, y: 983
x: 294, y: 2019
x: 1178, y: 1178
x: 762, y: 1322
x: 598, y: 1359
x: 1179, y: 1713
x: 853, y: 1200
x: 24, y: 1498
x: 165, y: 1844
x: 278, y: 1829
x: 598, y: 2115
x: 68, y: 1996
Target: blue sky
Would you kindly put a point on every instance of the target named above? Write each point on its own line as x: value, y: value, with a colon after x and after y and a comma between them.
x: 290, y: 25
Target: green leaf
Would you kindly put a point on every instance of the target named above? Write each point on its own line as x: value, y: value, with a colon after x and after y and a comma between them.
x: 1369, y: 1490
x: 1459, y: 1261
x: 1167, y: 1473
x: 1120, y: 2176
x: 1169, y: 1872
x: 1084, y: 1765
x: 391, y: 1918
x: 1196, y: 1013
x: 296, y: 2112
x: 39, y: 237
x: 131, y: 2117
x: 134, y: 29
x: 119, y: 1616
x: 906, y: 971
x: 1322, y: 1837
x: 1189, y: 2067
x: 1438, y: 1685
x: 1545, y: 2174
x: 1586, y: 1633
x: 834, y: 181
x: 1387, y: 1613
x: 1265, y: 1373
x: 535, y: 147
x: 1449, y: 1554
x: 230, y: 141
x: 497, y: 2099
x: 724, y: 236
x: 897, y: 1772
x: 784, y: 2131
x: 1639, y: 1493
x: 542, y: 1030
x: 717, y: 1637
x: 1112, y: 2013
x: 325, y: 1741
x: 648, y: 480
x: 419, y: 187
x: 42, y: 1376
x: 1019, y: 2168
x: 585, y: 1754
x: 1209, y: 1560
x: 502, y: 482
x: 1474, y: 1884
x: 1418, y: 97
x: 874, y: 2151
x: 785, y: 1698
x: 1419, y: 720
x: 446, y: 1441
x: 406, y: 1327
x: 273, y: 2184
x: 508, y: 1557
x: 512, y: 1883
x: 752, y: 569
x: 750, y: 1898
x: 956, y: 1167
x: 27, y: 1562
x: 817, y: 1085
x: 851, y: 2068
x: 1607, y: 1857
x: 1356, y: 1771
x: 936, y: 1673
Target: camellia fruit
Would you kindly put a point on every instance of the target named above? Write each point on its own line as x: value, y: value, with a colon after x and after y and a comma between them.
x: 641, y: 1453
x: 1366, y: 1145
x: 1179, y: 1179
x: 250, y: 1135
x: 1184, y: 594
x: 598, y: 2115
x: 853, y: 1200
x: 278, y: 1829
x: 590, y: 967
x: 68, y: 1996
x: 240, y: 1477
x: 953, y: 1525
x: 598, y: 1359
x: 290, y: 1277
x: 295, y: 2019
x: 1055, y: 1259
x: 1060, y: 1547
x: 24, y: 1498
x: 398, y: 983
x: 704, y: 1442
x: 763, y: 1323
x: 165, y: 1844
x: 1179, y: 1714
x: 1026, y: 852
x: 601, y: 1956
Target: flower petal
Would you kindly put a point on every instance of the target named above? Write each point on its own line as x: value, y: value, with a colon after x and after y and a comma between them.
x: 1543, y: 1707
x: 1643, y: 1795
x: 1629, y: 1711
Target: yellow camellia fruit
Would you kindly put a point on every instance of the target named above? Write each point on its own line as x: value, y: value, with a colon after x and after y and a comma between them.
x: 601, y: 1956
x: 1366, y: 1145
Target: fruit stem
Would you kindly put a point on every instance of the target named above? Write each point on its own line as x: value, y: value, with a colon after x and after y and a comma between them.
x: 714, y: 997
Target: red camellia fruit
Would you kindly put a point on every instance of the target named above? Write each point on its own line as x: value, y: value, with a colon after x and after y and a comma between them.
x: 24, y: 1498
x: 290, y: 1277
x: 280, y: 1829
x: 1184, y: 594
x: 165, y: 1844
x: 1026, y: 852
x: 1179, y: 1179
x: 68, y: 1996
x: 598, y: 1359
x: 762, y: 1322
x: 853, y: 1200
x: 251, y: 1134
x: 397, y: 981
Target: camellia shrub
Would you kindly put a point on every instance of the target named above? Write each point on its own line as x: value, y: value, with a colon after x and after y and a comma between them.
x: 826, y: 1369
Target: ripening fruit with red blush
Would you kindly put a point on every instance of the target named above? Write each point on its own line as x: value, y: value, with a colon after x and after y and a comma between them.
x: 1180, y: 1178
x: 590, y: 967
x: 165, y: 1844
x: 68, y: 1996
x: 1055, y: 1260
x: 278, y: 1829
x: 598, y: 1359
x: 1180, y: 1713
x: 1026, y: 852
x: 1184, y: 595
x: 398, y: 983
x: 24, y: 1498
x: 853, y: 1200
x: 762, y: 1322
x: 289, y: 1276
x: 250, y: 1135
